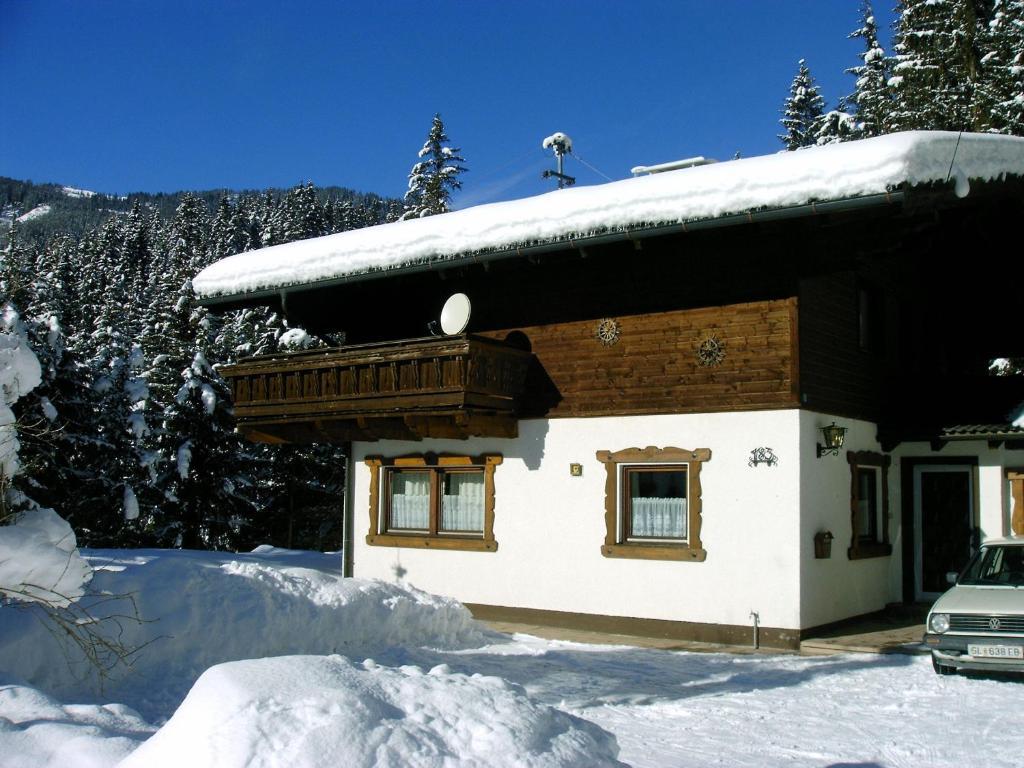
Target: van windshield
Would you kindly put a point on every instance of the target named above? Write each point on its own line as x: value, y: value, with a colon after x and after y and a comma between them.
x: 996, y: 565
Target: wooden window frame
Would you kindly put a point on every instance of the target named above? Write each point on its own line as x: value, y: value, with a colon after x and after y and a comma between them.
x: 380, y: 536
x: 1015, y: 477
x: 615, y: 543
x: 862, y: 548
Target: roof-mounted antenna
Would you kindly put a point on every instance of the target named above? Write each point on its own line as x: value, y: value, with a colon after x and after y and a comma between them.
x: 561, y: 144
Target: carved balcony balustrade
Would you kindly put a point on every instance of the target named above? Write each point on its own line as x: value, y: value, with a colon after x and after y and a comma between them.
x: 443, y: 387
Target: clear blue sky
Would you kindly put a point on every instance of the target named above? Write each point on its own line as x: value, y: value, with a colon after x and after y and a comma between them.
x: 162, y: 96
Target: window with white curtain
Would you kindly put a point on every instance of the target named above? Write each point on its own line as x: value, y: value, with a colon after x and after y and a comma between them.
x: 433, y: 501
x: 652, y: 504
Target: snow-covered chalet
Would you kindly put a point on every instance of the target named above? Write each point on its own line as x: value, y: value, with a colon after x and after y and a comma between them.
x: 754, y: 390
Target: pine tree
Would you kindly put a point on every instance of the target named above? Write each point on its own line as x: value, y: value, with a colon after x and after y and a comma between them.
x: 937, y: 66
x: 1001, y: 90
x: 205, y: 484
x: 835, y: 126
x: 870, y: 98
x: 802, y: 110
x: 433, y: 179
x: 303, y: 214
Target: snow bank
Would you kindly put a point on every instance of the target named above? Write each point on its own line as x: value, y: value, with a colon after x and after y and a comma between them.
x: 833, y: 172
x: 37, y: 730
x: 199, y: 609
x: 326, y: 710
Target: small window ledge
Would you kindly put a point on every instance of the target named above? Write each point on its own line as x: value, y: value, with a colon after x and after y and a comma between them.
x: 654, y: 552
x: 432, y: 542
x: 866, y: 550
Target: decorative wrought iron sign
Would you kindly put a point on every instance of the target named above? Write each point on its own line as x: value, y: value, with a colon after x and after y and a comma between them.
x: 711, y: 351
x: 762, y: 456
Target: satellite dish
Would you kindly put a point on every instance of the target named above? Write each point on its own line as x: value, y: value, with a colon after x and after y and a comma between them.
x: 455, y: 314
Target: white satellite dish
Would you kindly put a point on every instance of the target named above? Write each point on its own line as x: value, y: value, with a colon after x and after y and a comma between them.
x: 455, y: 314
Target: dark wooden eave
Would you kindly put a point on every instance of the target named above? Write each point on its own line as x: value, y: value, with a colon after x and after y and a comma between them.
x: 444, y: 387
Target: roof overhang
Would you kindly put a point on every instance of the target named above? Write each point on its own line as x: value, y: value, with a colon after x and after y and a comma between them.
x: 841, y: 177
x: 572, y: 242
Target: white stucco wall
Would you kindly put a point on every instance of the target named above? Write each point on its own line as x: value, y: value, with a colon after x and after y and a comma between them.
x: 837, y: 587
x: 550, y: 526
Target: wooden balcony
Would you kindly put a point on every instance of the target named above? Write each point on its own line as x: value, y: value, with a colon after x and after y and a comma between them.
x: 451, y: 387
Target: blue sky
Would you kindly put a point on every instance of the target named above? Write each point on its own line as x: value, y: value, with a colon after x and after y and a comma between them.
x: 158, y: 96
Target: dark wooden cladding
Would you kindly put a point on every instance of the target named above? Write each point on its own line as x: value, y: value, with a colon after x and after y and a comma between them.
x: 840, y: 371
x: 439, y: 387
x: 653, y: 367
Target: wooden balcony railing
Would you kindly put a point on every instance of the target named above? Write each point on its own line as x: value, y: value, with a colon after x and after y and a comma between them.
x: 453, y: 386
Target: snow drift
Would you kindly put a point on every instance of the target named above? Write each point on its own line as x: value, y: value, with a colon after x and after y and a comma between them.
x: 326, y: 710
x: 198, y: 609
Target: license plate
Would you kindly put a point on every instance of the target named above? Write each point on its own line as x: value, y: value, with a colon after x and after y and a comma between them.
x: 996, y: 651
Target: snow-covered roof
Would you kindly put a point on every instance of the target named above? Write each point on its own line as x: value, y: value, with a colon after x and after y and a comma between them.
x: 820, y: 174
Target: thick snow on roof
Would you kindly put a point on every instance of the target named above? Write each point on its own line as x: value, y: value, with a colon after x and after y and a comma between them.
x: 834, y: 172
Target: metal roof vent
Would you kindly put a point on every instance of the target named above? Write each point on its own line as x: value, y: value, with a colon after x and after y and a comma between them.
x: 675, y: 165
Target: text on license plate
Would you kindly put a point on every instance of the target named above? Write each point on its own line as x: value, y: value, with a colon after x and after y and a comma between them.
x: 996, y: 651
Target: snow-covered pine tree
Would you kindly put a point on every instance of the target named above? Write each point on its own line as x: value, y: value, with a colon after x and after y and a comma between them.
x: 870, y: 99
x: 802, y: 110
x: 433, y: 179
x: 50, y: 414
x: 1001, y: 89
x: 937, y: 66
x: 303, y: 214
x: 835, y: 126
x: 206, y: 480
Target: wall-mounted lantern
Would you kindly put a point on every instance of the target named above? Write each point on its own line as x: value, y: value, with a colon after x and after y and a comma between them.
x: 833, y: 437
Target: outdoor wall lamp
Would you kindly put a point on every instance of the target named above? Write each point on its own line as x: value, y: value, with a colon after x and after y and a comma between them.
x: 834, y: 437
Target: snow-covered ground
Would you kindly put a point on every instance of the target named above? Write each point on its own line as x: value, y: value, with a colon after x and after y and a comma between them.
x: 272, y: 659
x: 35, y: 213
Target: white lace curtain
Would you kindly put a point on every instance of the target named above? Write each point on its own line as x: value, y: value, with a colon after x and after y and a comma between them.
x: 462, y: 506
x: 658, y: 517
x: 410, y: 500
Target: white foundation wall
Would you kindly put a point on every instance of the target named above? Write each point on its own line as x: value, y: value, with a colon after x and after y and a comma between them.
x: 550, y: 525
x: 836, y: 588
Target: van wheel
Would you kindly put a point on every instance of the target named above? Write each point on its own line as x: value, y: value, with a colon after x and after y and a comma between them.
x: 942, y: 669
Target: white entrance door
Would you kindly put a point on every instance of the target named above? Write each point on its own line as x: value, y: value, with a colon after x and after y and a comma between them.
x: 943, y: 522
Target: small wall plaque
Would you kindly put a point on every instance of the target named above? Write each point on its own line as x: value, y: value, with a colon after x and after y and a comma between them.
x: 762, y: 456
x: 608, y: 331
x: 711, y: 351
x: 576, y: 470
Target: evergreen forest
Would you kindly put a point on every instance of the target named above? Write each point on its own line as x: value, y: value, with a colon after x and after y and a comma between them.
x: 130, y: 435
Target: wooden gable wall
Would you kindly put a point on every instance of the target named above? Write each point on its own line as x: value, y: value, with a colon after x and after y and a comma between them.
x: 653, y: 366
